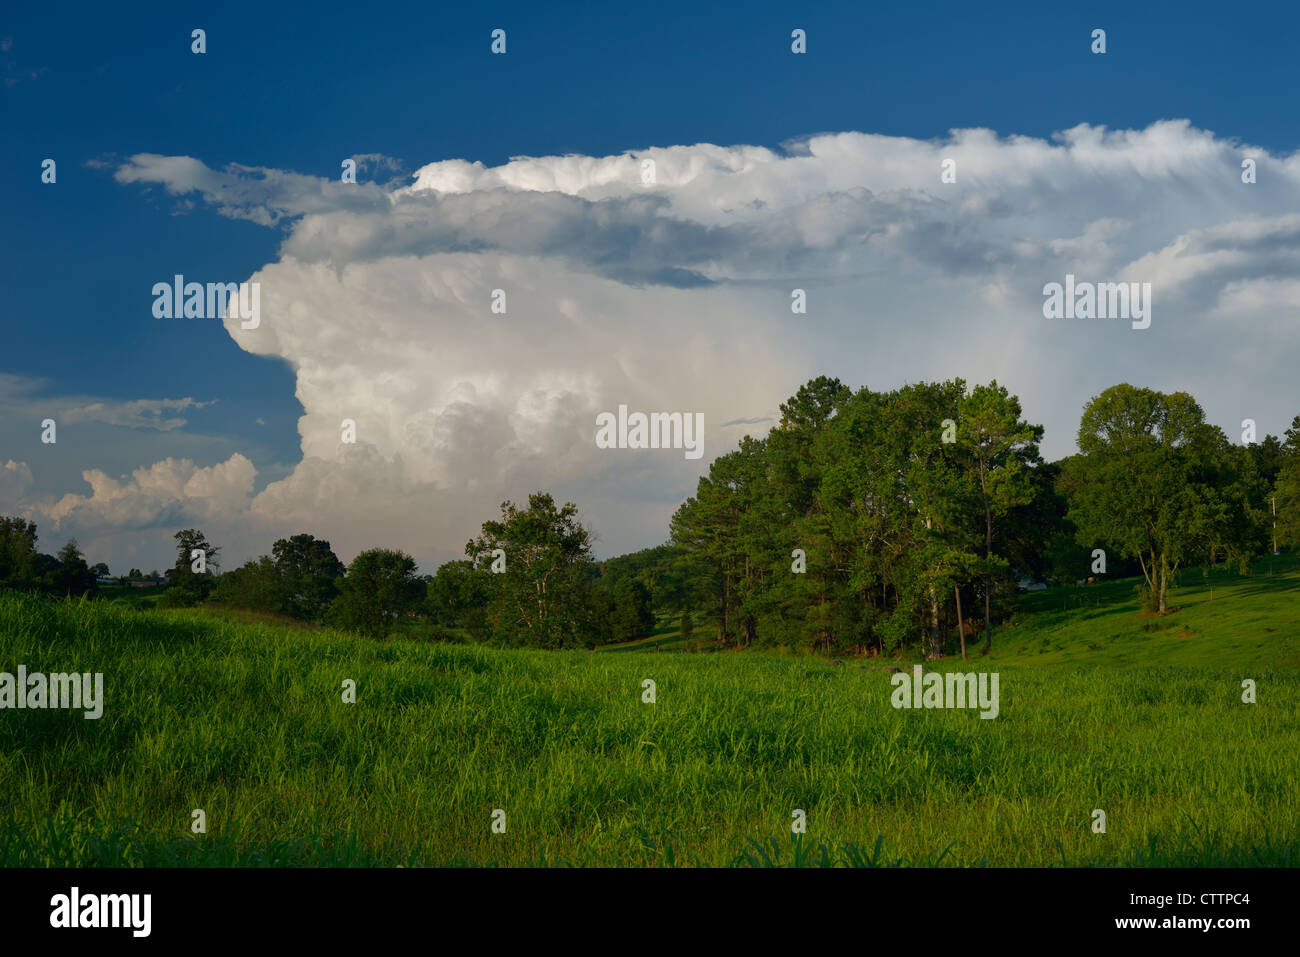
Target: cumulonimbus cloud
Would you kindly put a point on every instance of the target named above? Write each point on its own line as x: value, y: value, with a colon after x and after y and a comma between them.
x: 663, y: 278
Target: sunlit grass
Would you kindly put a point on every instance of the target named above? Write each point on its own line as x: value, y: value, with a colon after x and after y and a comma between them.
x: 245, y: 720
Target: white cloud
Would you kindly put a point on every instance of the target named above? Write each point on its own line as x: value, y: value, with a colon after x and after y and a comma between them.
x: 175, y: 488
x: 261, y: 195
x: 676, y: 296
x: 130, y: 520
x: 15, y: 481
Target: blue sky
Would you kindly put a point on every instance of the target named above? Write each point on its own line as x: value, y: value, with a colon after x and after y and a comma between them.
x: 300, y: 89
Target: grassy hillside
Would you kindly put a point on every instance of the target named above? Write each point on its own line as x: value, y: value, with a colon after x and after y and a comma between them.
x: 1222, y: 619
x: 244, y: 719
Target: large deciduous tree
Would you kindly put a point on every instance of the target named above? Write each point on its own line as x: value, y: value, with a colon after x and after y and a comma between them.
x: 17, y: 551
x: 74, y: 576
x: 1153, y: 481
x: 309, y: 573
x: 186, y: 585
x: 458, y: 596
x: 380, y: 589
x: 543, y: 596
x: 1286, y: 490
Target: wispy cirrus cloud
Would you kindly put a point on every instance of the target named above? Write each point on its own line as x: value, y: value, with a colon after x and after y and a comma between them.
x: 22, y: 397
x: 136, y: 414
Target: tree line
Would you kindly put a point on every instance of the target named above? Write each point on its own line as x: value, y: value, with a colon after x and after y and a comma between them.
x: 23, y: 567
x: 529, y: 579
x: 863, y: 521
x: 870, y: 520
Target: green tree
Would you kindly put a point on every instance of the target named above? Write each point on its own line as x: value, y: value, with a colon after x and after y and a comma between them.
x: 74, y: 576
x: 1284, y: 507
x: 706, y: 527
x: 1284, y: 500
x: 256, y: 585
x: 1291, y: 442
x: 17, y: 552
x: 45, y: 574
x: 309, y: 574
x: 1268, y: 457
x: 789, y: 509
x: 186, y: 585
x: 379, y: 590
x: 1288, y: 506
x: 656, y: 568
x: 632, y: 616
x: 458, y: 596
x: 855, y: 522
x: 1150, y: 482
x: 1004, y: 451
x: 543, y: 597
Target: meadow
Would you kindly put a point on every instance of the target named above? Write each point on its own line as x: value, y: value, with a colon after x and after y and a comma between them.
x: 1101, y: 708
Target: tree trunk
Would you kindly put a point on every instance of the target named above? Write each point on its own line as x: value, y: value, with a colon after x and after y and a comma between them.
x: 1164, y: 582
x: 726, y: 606
x: 1151, y: 572
x: 988, y: 555
x: 936, y: 639
x: 961, y: 629
x: 884, y: 610
x: 988, y: 603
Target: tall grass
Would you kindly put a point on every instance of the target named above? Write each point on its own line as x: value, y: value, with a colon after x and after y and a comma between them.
x: 247, y: 722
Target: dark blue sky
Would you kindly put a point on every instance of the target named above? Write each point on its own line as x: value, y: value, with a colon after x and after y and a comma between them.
x: 300, y: 89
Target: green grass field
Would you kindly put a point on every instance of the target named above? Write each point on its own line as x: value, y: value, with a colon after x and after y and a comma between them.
x: 1101, y: 708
